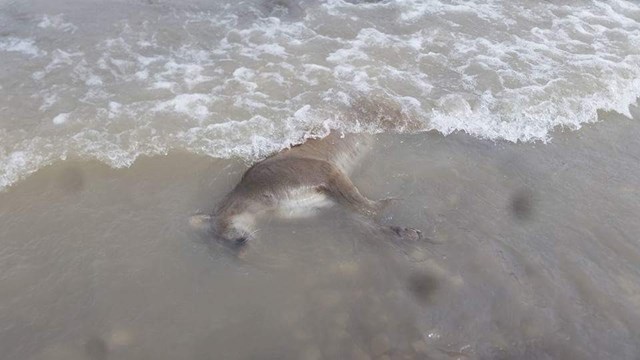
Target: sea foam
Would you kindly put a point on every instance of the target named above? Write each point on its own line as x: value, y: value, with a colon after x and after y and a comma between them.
x: 250, y: 78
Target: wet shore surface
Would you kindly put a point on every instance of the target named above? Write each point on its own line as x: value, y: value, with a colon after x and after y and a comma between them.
x: 531, y: 253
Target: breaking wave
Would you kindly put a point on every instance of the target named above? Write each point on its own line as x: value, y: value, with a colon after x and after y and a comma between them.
x: 250, y: 78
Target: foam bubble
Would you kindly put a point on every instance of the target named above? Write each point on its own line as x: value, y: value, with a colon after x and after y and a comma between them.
x: 22, y: 46
x: 61, y: 118
x: 56, y: 22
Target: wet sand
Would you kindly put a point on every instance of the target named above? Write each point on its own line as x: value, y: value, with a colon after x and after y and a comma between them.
x: 533, y: 253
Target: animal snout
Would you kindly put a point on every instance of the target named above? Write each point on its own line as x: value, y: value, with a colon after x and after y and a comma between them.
x: 241, y: 241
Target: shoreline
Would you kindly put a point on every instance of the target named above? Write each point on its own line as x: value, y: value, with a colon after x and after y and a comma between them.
x: 558, y: 131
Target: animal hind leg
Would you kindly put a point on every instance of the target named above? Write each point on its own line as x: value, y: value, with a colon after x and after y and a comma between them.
x: 343, y: 191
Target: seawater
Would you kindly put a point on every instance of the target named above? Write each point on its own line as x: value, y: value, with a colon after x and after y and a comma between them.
x: 113, y: 80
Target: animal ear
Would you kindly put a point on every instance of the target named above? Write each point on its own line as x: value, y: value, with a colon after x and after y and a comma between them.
x: 201, y: 221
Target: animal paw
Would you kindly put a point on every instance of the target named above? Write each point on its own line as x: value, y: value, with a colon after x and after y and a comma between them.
x: 407, y: 233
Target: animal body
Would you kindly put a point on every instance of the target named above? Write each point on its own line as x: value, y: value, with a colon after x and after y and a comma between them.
x: 294, y: 183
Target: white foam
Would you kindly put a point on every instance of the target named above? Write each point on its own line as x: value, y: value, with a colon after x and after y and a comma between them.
x: 192, y: 105
x: 48, y: 101
x: 56, y: 22
x: 61, y: 118
x: 230, y: 82
x: 22, y: 46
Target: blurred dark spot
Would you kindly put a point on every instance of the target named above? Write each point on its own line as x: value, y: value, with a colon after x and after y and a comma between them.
x: 422, y: 286
x: 522, y: 204
x: 96, y: 348
x: 71, y: 180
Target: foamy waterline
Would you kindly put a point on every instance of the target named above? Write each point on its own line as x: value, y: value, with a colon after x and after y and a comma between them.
x: 246, y: 80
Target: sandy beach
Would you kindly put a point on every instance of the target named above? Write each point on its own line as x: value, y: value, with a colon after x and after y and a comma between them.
x: 532, y: 253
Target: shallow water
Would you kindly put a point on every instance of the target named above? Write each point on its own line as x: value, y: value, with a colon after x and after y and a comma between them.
x: 112, y: 80
x: 533, y: 254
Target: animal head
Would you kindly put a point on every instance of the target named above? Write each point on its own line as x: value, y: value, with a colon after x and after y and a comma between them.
x: 232, y: 232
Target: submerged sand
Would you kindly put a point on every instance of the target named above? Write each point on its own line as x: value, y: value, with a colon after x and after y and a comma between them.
x: 533, y: 254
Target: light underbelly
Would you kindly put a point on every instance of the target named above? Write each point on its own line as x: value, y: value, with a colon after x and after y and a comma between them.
x: 302, y: 203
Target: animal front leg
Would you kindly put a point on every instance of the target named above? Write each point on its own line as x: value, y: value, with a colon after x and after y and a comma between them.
x: 201, y: 221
